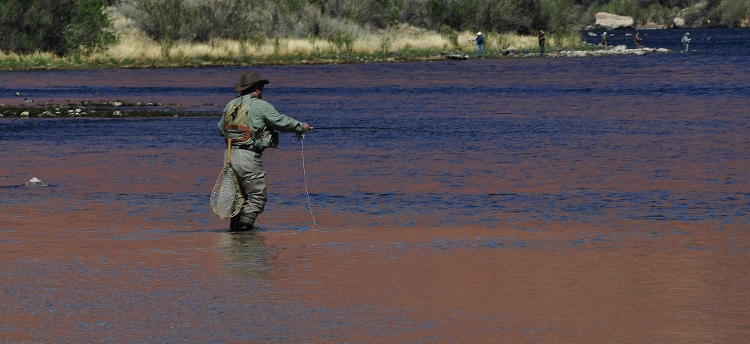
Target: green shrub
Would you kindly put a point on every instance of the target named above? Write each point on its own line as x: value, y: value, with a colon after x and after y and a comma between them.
x: 561, y: 17
x: 458, y: 14
x: 343, y: 41
x: 731, y: 12
x: 385, y: 44
x: 192, y: 20
x: 449, y: 35
x: 55, y: 26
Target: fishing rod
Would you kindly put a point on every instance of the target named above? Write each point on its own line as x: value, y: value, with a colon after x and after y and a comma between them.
x: 375, y: 128
x: 391, y: 129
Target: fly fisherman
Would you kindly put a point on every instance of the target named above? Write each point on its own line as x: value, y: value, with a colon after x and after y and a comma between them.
x: 542, y: 37
x: 686, y: 41
x: 252, y: 125
x: 480, y: 45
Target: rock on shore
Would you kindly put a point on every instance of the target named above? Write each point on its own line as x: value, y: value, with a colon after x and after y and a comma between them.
x: 611, y: 21
x: 692, y: 17
x: 597, y: 51
x: 616, y: 50
x: 457, y: 55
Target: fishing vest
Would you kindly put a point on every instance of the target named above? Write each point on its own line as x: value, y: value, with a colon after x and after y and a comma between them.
x: 237, y: 126
x: 236, y: 121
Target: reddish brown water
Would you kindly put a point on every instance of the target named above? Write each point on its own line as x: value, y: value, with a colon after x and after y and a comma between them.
x: 500, y: 201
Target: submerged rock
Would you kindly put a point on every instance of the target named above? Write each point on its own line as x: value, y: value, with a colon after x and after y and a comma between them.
x: 35, y: 182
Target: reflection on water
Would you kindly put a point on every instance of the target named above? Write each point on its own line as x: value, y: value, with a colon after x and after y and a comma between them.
x: 245, y: 253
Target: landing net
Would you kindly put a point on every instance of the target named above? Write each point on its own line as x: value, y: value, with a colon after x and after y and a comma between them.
x: 226, y: 198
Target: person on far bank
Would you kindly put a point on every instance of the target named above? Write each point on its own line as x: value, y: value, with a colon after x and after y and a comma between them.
x: 252, y: 124
x: 542, y: 38
x: 605, y: 40
x: 686, y: 41
x: 637, y: 40
x: 480, y: 45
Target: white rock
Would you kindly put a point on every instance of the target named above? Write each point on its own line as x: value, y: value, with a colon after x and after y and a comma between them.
x: 614, y: 21
x: 35, y: 182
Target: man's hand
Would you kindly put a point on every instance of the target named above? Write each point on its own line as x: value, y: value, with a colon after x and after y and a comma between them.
x: 306, y: 127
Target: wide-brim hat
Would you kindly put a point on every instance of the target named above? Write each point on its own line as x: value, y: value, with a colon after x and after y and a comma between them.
x: 248, y: 80
x: 479, y: 33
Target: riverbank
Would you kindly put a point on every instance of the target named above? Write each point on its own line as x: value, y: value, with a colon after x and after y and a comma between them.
x: 44, y: 61
x: 401, y: 44
x: 21, y: 106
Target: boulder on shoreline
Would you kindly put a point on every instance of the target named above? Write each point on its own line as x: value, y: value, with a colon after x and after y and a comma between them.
x: 454, y: 55
x: 691, y: 17
x: 611, y: 21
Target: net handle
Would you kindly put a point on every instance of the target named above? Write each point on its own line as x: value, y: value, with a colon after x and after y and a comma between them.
x: 229, y: 151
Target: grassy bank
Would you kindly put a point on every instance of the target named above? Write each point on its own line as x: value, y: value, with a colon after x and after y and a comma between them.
x: 136, y: 50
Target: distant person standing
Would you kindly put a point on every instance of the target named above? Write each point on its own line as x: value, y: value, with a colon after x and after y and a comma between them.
x: 637, y: 40
x: 542, y: 38
x: 605, y: 41
x: 686, y: 41
x: 480, y: 45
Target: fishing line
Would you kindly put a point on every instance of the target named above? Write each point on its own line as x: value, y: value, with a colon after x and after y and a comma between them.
x: 302, y: 145
x: 377, y: 128
x: 304, y: 173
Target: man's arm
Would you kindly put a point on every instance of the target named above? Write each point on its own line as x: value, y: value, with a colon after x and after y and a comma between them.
x: 221, y: 122
x: 281, y: 122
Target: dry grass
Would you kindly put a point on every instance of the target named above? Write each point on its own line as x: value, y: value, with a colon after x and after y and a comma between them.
x: 136, y: 49
x: 136, y: 46
x: 33, y: 56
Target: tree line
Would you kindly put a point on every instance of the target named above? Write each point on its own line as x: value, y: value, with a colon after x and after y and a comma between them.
x: 76, y: 26
x: 57, y: 26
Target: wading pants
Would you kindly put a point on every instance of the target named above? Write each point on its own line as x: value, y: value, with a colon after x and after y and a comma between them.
x: 248, y: 167
x: 480, y: 50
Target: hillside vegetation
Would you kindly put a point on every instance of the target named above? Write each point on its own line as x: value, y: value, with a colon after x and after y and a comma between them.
x: 67, y: 33
x: 203, y: 20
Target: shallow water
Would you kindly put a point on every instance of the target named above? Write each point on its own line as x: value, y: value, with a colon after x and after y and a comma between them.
x: 552, y: 200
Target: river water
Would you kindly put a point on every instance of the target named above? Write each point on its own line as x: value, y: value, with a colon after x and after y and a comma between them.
x: 498, y: 200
